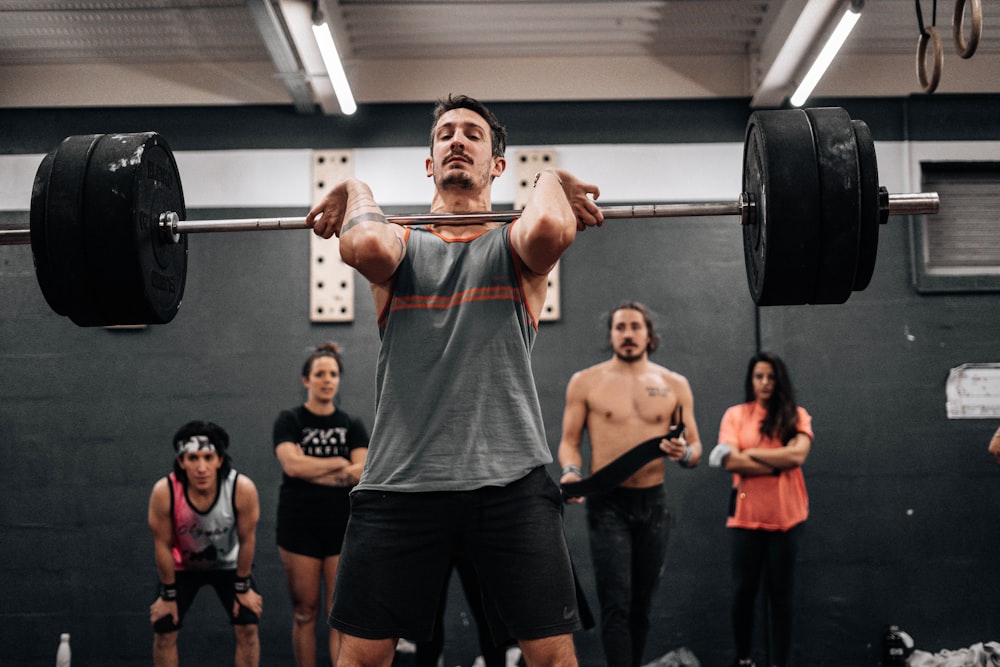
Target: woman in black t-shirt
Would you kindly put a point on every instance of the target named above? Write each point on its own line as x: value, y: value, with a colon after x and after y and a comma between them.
x: 322, y: 451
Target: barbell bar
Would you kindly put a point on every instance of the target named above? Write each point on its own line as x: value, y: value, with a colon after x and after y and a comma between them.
x: 109, y: 236
x: 171, y: 226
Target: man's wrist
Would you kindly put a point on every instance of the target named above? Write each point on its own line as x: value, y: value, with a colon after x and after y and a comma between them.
x: 572, y: 468
x: 242, y: 584
x: 550, y: 171
x: 685, y: 460
x: 363, y: 217
x: 168, y: 592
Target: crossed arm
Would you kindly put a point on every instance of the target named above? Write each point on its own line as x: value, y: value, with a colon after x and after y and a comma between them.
x: 767, y: 461
x: 331, y: 471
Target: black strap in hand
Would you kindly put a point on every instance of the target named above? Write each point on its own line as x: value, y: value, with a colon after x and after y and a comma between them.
x: 621, y: 468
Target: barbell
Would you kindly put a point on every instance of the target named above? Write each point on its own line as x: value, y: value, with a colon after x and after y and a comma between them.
x: 109, y: 238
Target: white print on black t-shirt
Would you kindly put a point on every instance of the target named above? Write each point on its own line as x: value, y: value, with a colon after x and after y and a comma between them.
x: 325, y: 441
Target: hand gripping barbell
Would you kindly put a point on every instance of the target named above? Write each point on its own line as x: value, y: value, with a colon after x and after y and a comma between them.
x: 109, y: 237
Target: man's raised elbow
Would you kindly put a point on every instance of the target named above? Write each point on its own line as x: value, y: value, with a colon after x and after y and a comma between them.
x: 556, y: 230
x: 363, y: 246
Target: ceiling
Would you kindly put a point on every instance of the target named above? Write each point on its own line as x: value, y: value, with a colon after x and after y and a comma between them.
x: 238, y: 52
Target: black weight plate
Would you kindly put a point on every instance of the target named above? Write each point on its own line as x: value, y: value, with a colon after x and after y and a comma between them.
x: 36, y: 228
x: 836, y: 149
x: 139, y: 276
x: 870, y: 214
x: 781, y: 245
x: 66, y: 268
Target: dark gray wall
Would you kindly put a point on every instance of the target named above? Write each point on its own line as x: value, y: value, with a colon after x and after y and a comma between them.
x: 904, y: 501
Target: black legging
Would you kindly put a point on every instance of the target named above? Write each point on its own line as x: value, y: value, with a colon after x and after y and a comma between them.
x: 771, y: 554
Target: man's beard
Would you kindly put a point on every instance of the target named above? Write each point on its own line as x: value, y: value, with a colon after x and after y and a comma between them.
x: 457, y: 178
x: 629, y: 358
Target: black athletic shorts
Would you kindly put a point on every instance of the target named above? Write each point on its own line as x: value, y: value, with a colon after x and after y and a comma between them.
x: 399, y: 549
x: 189, y: 582
x: 311, y: 535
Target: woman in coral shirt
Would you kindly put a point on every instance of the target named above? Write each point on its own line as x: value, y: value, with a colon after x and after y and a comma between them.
x: 763, y: 443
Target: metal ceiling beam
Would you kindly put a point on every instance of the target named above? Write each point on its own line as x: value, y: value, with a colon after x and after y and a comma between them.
x: 795, y: 38
x: 286, y: 60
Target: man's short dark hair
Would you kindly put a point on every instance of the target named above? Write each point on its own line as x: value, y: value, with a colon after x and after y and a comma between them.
x: 498, y: 133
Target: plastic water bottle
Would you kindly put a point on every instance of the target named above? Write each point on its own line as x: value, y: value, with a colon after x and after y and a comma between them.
x: 63, y: 653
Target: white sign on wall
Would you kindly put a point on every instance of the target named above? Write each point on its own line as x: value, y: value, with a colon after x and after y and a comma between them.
x: 973, y: 391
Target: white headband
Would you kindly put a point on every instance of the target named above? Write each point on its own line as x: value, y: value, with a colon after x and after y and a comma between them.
x: 197, y: 443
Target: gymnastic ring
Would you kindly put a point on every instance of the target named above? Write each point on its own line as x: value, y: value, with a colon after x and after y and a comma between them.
x: 931, y: 35
x: 976, y: 21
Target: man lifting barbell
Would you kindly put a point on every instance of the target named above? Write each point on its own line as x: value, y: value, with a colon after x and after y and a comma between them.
x: 458, y: 451
x: 109, y: 236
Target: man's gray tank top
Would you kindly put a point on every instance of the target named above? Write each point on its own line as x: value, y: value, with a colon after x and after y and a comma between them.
x: 456, y: 404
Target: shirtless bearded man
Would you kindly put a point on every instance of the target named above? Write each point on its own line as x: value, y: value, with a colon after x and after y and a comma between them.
x: 621, y: 402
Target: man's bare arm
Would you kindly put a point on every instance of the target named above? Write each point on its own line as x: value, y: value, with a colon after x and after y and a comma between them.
x: 556, y: 209
x: 367, y: 242
x: 574, y: 422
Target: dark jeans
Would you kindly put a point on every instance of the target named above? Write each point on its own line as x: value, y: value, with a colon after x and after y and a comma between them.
x: 629, y: 529
x: 770, y: 554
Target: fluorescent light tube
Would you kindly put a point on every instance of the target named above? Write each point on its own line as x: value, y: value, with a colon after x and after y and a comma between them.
x: 825, y: 57
x: 334, y: 69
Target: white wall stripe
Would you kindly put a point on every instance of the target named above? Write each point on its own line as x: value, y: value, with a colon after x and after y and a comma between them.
x: 625, y: 173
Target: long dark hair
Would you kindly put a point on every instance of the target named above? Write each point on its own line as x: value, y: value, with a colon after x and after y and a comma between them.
x: 782, y: 418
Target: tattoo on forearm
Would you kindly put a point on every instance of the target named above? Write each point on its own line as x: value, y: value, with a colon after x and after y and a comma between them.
x: 360, y: 204
x: 362, y: 217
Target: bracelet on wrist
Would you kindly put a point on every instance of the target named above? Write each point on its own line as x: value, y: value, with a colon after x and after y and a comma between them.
x: 168, y: 592
x: 572, y: 468
x: 687, y: 455
x: 242, y: 584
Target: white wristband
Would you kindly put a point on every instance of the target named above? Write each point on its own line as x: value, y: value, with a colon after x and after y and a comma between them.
x: 718, y: 455
x: 572, y: 468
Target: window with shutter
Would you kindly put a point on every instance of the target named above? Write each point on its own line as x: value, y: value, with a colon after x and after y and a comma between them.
x: 958, y: 249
